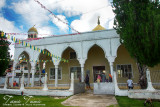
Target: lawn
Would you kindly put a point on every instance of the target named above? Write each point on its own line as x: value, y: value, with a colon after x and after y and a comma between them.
x: 48, y: 101
x: 128, y: 102
x: 28, y: 101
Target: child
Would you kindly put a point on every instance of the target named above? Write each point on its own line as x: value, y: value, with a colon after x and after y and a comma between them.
x: 99, y: 79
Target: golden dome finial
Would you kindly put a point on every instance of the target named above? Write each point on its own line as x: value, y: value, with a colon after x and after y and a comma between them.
x: 33, y: 29
x: 98, y: 27
x: 98, y: 20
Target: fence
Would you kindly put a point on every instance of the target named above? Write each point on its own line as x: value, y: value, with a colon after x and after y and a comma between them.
x: 155, y: 78
x: 63, y: 82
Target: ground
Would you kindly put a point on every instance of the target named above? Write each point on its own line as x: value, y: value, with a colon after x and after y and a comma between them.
x: 90, y: 100
x: 48, y: 101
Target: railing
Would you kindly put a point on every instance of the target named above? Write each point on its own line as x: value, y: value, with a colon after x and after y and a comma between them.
x: 155, y: 79
x: 124, y: 86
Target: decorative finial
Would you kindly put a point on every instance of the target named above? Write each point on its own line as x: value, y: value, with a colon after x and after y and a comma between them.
x: 34, y: 25
x: 98, y: 20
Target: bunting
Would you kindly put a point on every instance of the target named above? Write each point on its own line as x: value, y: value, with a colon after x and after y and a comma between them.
x: 42, y: 6
x: 24, y: 43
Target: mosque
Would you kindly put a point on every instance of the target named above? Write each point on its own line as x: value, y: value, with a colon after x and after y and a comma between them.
x: 93, y: 53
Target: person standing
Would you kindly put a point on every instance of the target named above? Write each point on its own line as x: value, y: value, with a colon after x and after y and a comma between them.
x: 87, y: 82
x: 103, y: 77
x: 110, y: 78
x: 99, y: 79
x: 129, y: 83
x: 14, y: 83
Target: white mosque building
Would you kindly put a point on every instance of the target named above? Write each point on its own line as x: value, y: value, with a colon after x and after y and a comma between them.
x: 87, y: 53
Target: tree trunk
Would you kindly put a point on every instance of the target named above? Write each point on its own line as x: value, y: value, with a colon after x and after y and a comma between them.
x: 142, y: 75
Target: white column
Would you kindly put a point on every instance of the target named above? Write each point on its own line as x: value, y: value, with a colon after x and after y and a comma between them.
x: 56, y: 75
x: 12, y: 77
x: 6, y: 80
x: 82, y: 62
x: 13, y: 71
x: 149, y: 87
x: 39, y: 73
x: 111, y: 68
x: 33, y: 72
x: 111, y: 61
x: 82, y: 72
x: 28, y: 75
x: 115, y: 84
x: 22, y: 82
x: 72, y: 82
x: 45, y: 82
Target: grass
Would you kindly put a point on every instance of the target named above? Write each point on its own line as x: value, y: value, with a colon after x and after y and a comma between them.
x: 35, y: 101
x: 48, y: 101
x: 113, y: 105
x: 128, y: 102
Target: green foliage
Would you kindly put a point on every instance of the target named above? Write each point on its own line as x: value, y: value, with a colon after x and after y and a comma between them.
x: 138, y: 24
x: 4, y: 54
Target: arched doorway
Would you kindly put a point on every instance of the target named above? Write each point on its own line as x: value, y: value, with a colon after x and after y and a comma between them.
x: 45, y: 65
x: 125, y: 67
x: 71, y: 66
x: 23, y: 66
x: 96, y: 63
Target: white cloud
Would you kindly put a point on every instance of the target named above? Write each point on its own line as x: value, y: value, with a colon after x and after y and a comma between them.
x: 2, y: 3
x: 91, y: 9
x: 31, y: 12
x: 45, y: 30
x: 87, y: 22
x: 21, y: 27
x: 7, y: 26
x: 62, y: 26
x: 34, y: 14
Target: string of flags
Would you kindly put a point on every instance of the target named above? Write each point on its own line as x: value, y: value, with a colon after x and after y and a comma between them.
x: 8, y: 36
x: 28, y: 39
x: 42, y: 6
x: 24, y: 43
x: 30, y: 60
x: 43, y: 51
x: 40, y: 34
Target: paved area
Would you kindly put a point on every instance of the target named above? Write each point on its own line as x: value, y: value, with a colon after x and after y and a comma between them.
x: 89, y: 100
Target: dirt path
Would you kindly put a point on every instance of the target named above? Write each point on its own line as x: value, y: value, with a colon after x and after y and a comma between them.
x: 89, y: 100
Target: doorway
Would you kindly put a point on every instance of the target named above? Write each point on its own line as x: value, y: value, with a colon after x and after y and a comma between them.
x: 97, y: 70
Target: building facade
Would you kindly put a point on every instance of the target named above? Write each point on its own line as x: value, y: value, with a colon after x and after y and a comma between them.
x: 87, y: 53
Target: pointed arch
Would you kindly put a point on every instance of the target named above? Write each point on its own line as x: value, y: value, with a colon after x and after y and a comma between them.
x: 67, y: 47
x: 93, y: 46
x: 41, y: 54
x: 27, y: 56
x: 25, y: 53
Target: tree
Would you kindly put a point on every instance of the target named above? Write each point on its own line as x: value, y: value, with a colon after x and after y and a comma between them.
x: 4, y: 53
x: 138, y: 24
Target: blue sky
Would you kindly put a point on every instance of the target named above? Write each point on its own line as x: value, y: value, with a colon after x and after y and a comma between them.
x: 17, y: 16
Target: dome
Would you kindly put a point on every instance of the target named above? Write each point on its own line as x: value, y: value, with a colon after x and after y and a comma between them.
x: 32, y: 32
x: 32, y: 29
x: 98, y: 27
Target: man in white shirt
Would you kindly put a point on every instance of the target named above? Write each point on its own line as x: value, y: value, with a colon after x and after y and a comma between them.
x: 130, y: 83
